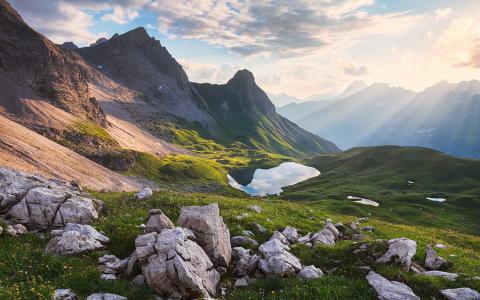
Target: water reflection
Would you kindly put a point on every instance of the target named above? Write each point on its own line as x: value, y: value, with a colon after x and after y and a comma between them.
x: 271, y: 181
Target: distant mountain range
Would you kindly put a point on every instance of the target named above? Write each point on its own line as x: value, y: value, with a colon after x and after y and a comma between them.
x: 443, y: 117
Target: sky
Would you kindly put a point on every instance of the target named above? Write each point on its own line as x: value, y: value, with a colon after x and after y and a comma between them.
x: 301, y: 48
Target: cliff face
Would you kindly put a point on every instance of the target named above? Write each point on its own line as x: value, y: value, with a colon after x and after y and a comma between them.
x: 30, y: 61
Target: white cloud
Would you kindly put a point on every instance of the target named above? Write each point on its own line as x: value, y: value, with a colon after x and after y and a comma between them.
x: 443, y: 13
x: 459, y: 44
x: 121, y: 15
x: 284, y: 28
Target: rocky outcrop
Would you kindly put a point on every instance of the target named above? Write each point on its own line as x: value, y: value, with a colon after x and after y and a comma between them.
x: 400, y: 250
x: 176, y: 266
x: 210, y: 232
x: 245, y: 261
x: 64, y: 294
x: 390, y: 290
x: 42, y: 204
x: 432, y: 260
x: 276, y: 260
x: 157, y: 221
x: 460, y: 294
x: 105, y: 296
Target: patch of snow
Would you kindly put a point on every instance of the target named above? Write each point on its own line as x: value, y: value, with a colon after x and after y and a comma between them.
x: 363, y: 201
x: 436, y: 199
x: 100, y: 66
x: 160, y: 87
x: 410, y: 182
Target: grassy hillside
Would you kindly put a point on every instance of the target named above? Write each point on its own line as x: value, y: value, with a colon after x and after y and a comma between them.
x: 382, y: 174
x: 26, y: 273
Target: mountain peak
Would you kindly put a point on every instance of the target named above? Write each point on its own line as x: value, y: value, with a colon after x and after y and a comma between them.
x: 244, y: 76
x: 138, y: 32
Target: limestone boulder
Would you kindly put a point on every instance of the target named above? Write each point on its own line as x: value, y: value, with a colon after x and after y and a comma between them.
x: 390, y: 290
x: 157, y: 221
x: 105, y: 296
x: 42, y: 204
x: 460, y: 294
x: 310, y: 272
x: 72, y: 243
x: 400, y: 250
x: 64, y: 294
x: 276, y: 260
x: 210, y: 232
x: 432, y: 260
x: 17, y: 229
x: 291, y: 234
x: 327, y: 236
x: 175, y: 265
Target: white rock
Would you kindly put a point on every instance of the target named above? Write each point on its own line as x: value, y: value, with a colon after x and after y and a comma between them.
x: 441, y: 246
x: 107, y: 276
x: 310, y: 272
x: 390, y: 290
x: 241, y: 282
x: 432, y: 260
x: 210, y: 231
x: 88, y: 231
x: 326, y: 236
x: 460, y: 294
x: 157, y: 221
x: 1, y: 230
x: 305, y: 239
x: 291, y: 234
x: 277, y: 260
x: 446, y: 275
x: 401, y: 250
x: 72, y: 243
x: 144, y: 193
x: 247, y: 233
x: 255, y: 208
x: 105, y: 296
x: 17, y: 229
x: 280, y: 237
x: 64, y: 294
